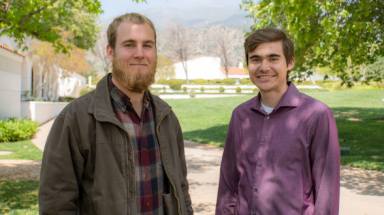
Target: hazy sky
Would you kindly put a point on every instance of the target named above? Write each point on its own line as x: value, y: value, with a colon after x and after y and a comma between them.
x: 114, y: 8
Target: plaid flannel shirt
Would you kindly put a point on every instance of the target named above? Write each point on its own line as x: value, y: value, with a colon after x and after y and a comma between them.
x: 150, y: 178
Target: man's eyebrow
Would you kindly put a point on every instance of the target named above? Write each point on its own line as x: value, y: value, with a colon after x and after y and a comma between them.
x: 134, y: 41
x: 149, y: 41
x: 258, y: 56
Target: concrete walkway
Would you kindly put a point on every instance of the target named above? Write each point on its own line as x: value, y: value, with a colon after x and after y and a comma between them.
x: 362, y: 191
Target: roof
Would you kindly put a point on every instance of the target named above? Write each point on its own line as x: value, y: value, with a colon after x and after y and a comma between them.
x: 233, y: 71
x: 11, y: 50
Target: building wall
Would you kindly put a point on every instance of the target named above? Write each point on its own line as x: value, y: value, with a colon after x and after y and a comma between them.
x: 10, y: 84
x: 203, y: 67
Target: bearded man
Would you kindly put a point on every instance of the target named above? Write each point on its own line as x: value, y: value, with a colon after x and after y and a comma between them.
x: 118, y: 149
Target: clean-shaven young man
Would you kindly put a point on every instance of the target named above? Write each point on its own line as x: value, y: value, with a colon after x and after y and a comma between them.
x: 282, y: 153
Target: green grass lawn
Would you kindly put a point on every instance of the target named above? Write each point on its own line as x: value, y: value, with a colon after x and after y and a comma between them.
x: 24, y: 150
x: 357, y: 115
x: 19, y: 197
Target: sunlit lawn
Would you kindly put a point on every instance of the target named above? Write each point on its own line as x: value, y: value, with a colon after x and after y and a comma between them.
x: 19, y: 197
x: 24, y: 150
x: 357, y: 116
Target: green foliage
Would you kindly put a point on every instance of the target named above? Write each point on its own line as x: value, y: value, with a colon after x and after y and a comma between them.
x: 164, y: 88
x: 256, y: 90
x: 185, y: 89
x: 228, y: 81
x: 303, y: 82
x: 215, y: 81
x: 202, y: 89
x: 192, y: 93
x: 200, y: 81
x: 84, y: 91
x: 162, y: 81
x: 245, y: 81
x: 19, y: 197
x: 221, y: 89
x: 238, y: 90
x: 96, y: 80
x: 336, y: 34
x: 22, y: 150
x: 165, y: 68
x: 175, y: 84
x: 17, y: 129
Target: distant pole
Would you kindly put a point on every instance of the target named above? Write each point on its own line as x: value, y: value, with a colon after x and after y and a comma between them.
x: 89, y: 81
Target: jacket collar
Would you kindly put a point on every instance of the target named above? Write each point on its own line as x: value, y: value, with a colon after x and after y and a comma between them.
x: 101, y: 106
x: 290, y: 99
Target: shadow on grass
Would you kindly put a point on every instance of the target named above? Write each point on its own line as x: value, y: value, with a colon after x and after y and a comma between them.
x: 19, y: 197
x: 214, y: 135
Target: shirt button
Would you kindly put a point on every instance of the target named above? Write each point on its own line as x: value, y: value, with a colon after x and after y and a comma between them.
x: 263, y: 140
x: 259, y: 165
x: 267, y: 117
x: 148, y: 204
x: 255, y: 189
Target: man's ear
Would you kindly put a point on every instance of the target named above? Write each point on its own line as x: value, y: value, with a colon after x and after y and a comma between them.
x: 110, y: 53
x: 291, y: 64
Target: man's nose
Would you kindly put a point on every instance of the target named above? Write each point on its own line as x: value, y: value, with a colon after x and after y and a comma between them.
x: 264, y: 66
x: 139, y: 52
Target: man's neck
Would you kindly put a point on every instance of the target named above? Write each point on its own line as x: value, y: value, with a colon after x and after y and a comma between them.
x: 135, y: 98
x: 272, y: 98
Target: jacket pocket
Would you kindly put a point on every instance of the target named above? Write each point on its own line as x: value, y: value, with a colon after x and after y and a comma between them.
x: 168, y: 204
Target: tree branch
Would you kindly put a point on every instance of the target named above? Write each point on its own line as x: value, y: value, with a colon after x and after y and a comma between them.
x: 26, y: 17
x: 5, y: 14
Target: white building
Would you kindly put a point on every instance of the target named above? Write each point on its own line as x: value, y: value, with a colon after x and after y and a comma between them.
x: 203, y: 67
x: 17, y: 77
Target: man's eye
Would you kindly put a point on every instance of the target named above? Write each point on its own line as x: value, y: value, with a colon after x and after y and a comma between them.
x: 274, y: 59
x: 129, y: 45
x: 255, y: 60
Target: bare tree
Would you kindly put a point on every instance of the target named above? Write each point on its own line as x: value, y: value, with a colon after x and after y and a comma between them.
x: 179, y: 43
x: 101, y: 53
x: 222, y: 42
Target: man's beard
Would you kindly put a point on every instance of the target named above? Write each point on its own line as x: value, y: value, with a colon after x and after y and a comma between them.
x: 137, y: 82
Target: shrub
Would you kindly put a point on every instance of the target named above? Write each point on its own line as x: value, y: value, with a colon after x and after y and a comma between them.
x: 185, y: 89
x: 96, y: 80
x: 200, y: 81
x: 17, y: 129
x: 68, y: 99
x: 164, y: 88
x: 84, y: 91
x: 238, y: 90
x: 162, y: 81
x: 221, y: 89
x: 245, y: 81
x: 202, y: 89
x: 228, y: 81
x: 255, y: 90
x: 192, y: 94
x: 216, y: 81
x: 175, y: 84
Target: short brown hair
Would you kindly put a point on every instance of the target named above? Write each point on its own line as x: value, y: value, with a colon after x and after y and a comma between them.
x: 264, y: 35
x: 132, y: 17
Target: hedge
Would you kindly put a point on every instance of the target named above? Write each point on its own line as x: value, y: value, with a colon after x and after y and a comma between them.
x: 17, y: 129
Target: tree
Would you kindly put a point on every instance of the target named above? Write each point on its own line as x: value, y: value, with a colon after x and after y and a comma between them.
x: 222, y: 39
x: 101, y: 53
x: 337, y: 34
x: 48, y: 65
x: 179, y: 42
x: 165, y: 68
x: 45, y: 19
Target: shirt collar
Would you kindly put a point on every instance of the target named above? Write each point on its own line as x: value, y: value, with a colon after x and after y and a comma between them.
x: 290, y: 99
x: 122, y: 100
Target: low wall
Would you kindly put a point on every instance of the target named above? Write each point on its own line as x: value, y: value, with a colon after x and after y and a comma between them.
x: 41, y: 111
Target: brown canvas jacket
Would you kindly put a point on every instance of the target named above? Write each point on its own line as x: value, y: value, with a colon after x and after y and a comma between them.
x: 88, y: 162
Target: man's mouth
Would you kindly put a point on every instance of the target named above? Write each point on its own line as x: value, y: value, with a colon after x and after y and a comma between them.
x: 137, y: 64
x: 265, y: 76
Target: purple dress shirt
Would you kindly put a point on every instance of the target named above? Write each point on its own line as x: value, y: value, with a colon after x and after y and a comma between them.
x: 287, y: 162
